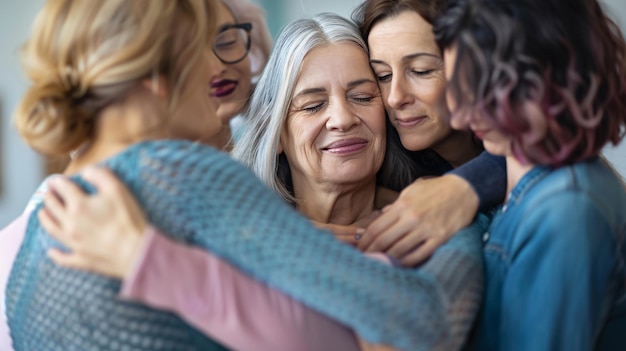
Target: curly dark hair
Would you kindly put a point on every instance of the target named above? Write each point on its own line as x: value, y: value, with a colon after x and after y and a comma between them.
x: 550, y: 74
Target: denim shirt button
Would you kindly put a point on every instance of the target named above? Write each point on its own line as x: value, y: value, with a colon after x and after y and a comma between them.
x: 485, y: 237
x: 504, y: 208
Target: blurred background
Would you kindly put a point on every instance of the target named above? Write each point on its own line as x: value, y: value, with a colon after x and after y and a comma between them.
x: 21, y: 170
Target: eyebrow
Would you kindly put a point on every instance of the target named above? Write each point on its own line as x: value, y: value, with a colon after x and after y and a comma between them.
x: 322, y: 90
x: 410, y: 57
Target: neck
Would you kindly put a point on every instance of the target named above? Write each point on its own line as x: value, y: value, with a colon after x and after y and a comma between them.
x: 336, y: 206
x: 117, y: 127
x: 515, y: 171
x: 223, y: 140
x: 458, y: 148
x: 91, y: 155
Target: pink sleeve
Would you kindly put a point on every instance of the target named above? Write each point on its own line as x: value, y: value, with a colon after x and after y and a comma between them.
x: 11, y: 239
x: 222, y: 302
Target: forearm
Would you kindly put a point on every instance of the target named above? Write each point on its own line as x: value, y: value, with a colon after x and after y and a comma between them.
x: 237, y: 217
x: 487, y: 176
x: 226, y: 304
x: 456, y: 270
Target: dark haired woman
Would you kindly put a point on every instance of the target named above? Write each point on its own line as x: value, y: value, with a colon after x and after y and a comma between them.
x: 548, y: 100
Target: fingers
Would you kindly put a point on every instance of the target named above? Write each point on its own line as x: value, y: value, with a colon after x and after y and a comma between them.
x: 66, y: 190
x: 336, y: 229
x: 56, y: 231
x: 408, y: 243
x: 346, y: 234
x: 73, y: 261
x: 62, y: 259
x: 378, y: 226
x: 386, y: 240
x: 421, y: 254
x: 114, y: 193
x: 50, y: 225
x: 55, y: 208
x: 101, y: 178
x: 348, y: 239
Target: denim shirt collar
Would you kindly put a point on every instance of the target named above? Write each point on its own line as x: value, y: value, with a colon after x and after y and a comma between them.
x: 526, y: 183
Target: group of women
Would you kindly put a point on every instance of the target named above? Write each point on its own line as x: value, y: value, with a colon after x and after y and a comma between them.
x: 347, y: 123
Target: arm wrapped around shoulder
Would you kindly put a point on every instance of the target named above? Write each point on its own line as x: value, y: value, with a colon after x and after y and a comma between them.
x: 212, y: 202
x: 207, y: 200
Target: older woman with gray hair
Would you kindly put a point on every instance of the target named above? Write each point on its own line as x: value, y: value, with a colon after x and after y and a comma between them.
x: 315, y: 128
x: 322, y: 112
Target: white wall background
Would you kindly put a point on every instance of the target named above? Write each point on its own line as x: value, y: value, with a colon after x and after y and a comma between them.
x: 307, y: 8
x: 20, y: 168
x: 617, y: 155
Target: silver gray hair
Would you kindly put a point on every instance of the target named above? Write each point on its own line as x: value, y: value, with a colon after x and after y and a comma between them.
x: 269, y: 107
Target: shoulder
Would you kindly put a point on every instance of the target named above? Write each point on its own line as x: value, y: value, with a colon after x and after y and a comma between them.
x: 167, y: 172
x: 579, y: 193
x: 572, y: 210
x: 37, y: 197
x: 168, y: 156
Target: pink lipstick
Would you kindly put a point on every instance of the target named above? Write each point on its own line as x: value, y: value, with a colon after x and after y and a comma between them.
x: 346, y: 147
x: 409, y: 122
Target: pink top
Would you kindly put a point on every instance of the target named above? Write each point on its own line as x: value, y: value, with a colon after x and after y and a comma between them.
x: 11, y: 239
x: 232, y: 308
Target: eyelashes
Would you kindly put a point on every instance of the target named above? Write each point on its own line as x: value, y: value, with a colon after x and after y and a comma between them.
x: 419, y: 73
x: 314, y: 107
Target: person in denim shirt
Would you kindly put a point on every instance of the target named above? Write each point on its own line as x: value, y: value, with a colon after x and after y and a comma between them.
x: 544, y: 84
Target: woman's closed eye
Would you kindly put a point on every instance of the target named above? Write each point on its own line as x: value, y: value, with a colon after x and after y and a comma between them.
x: 422, y: 73
x: 313, y: 107
x: 364, y: 99
x: 383, y: 78
x: 225, y: 44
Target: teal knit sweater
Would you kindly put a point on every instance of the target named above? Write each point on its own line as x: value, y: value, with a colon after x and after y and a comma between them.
x: 204, y: 198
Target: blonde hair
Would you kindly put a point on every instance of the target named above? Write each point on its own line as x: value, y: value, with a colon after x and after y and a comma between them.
x: 83, y: 56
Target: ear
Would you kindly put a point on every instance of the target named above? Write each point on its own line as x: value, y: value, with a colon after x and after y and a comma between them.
x: 157, y: 84
x: 280, y: 147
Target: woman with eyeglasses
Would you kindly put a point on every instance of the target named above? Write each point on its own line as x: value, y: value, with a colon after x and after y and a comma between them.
x: 242, y: 46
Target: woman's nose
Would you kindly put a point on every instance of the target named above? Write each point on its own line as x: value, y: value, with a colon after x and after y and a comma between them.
x: 341, y: 117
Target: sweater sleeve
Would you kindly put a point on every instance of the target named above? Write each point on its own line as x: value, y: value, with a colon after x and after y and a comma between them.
x: 456, y: 273
x: 487, y: 175
x: 232, y: 308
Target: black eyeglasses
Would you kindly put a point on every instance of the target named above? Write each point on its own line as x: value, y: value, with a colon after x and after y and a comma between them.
x: 232, y: 43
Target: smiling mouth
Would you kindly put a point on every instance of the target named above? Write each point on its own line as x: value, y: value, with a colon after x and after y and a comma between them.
x: 223, y: 87
x: 346, y: 147
x: 409, y: 122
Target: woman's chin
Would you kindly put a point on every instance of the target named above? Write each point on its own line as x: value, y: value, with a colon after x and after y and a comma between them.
x: 228, y: 110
